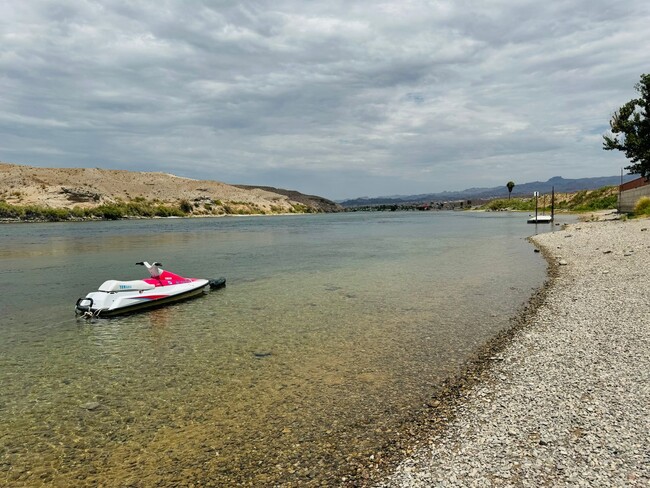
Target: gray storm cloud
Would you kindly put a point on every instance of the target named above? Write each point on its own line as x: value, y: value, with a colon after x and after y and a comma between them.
x: 334, y: 98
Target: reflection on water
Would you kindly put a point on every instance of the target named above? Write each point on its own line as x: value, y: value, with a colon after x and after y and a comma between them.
x: 329, y: 335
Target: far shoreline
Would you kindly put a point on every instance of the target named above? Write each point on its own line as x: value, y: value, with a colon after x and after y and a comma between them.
x: 187, y: 217
x: 583, y: 216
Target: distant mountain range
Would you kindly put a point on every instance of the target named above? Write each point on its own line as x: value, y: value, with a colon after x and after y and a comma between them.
x: 561, y: 185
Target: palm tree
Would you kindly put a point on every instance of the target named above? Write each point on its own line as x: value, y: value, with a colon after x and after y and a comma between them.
x: 510, y: 185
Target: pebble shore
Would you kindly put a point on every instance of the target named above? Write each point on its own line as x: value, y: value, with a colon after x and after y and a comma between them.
x: 567, y: 401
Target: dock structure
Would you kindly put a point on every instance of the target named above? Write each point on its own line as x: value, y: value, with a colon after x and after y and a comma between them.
x: 543, y: 219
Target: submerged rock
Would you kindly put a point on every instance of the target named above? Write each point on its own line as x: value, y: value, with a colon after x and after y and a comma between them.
x: 90, y: 406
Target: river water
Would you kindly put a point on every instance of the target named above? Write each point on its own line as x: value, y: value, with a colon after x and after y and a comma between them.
x: 331, y: 333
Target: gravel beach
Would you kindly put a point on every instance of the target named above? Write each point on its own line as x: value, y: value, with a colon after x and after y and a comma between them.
x: 567, y: 402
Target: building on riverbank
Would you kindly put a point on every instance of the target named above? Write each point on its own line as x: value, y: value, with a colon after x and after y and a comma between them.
x: 630, y: 192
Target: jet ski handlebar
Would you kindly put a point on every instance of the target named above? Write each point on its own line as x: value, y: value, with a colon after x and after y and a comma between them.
x: 154, y: 269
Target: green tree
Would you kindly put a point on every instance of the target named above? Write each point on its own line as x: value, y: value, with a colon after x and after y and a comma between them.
x: 510, y: 185
x: 630, y: 130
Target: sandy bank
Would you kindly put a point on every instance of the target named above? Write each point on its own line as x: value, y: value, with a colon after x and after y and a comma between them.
x: 567, y: 402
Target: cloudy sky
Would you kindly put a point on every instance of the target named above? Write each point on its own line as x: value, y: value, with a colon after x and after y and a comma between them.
x: 335, y: 98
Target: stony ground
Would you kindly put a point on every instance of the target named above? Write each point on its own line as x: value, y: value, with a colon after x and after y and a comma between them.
x: 567, y: 403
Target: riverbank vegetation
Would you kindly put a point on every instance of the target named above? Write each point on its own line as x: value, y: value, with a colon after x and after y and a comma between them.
x: 583, y: 201
x: 138, y: 208
x: 109, y: 211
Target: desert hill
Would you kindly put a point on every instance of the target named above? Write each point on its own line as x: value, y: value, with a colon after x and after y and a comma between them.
x: 313, y: 201
x: 91, y: 187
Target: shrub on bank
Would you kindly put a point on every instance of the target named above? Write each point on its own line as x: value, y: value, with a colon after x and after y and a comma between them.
x: 109, y: 211
x: 582, y: 201
x: 642, y: 206
x: 120, y: 210
x: 520, y: 204
x: 34, y: 212
x: 8, y: 211
x: 300, y: 208
x: 138, y: 207
x: 185, y: 206
x: 591, y: 200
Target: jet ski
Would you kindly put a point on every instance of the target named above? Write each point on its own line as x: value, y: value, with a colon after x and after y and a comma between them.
x: 120, y: 297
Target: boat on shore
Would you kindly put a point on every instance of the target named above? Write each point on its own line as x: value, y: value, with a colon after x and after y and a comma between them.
x: 115, y: 297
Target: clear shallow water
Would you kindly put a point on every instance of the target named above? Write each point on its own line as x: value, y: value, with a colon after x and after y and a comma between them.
x: 330, y: 334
